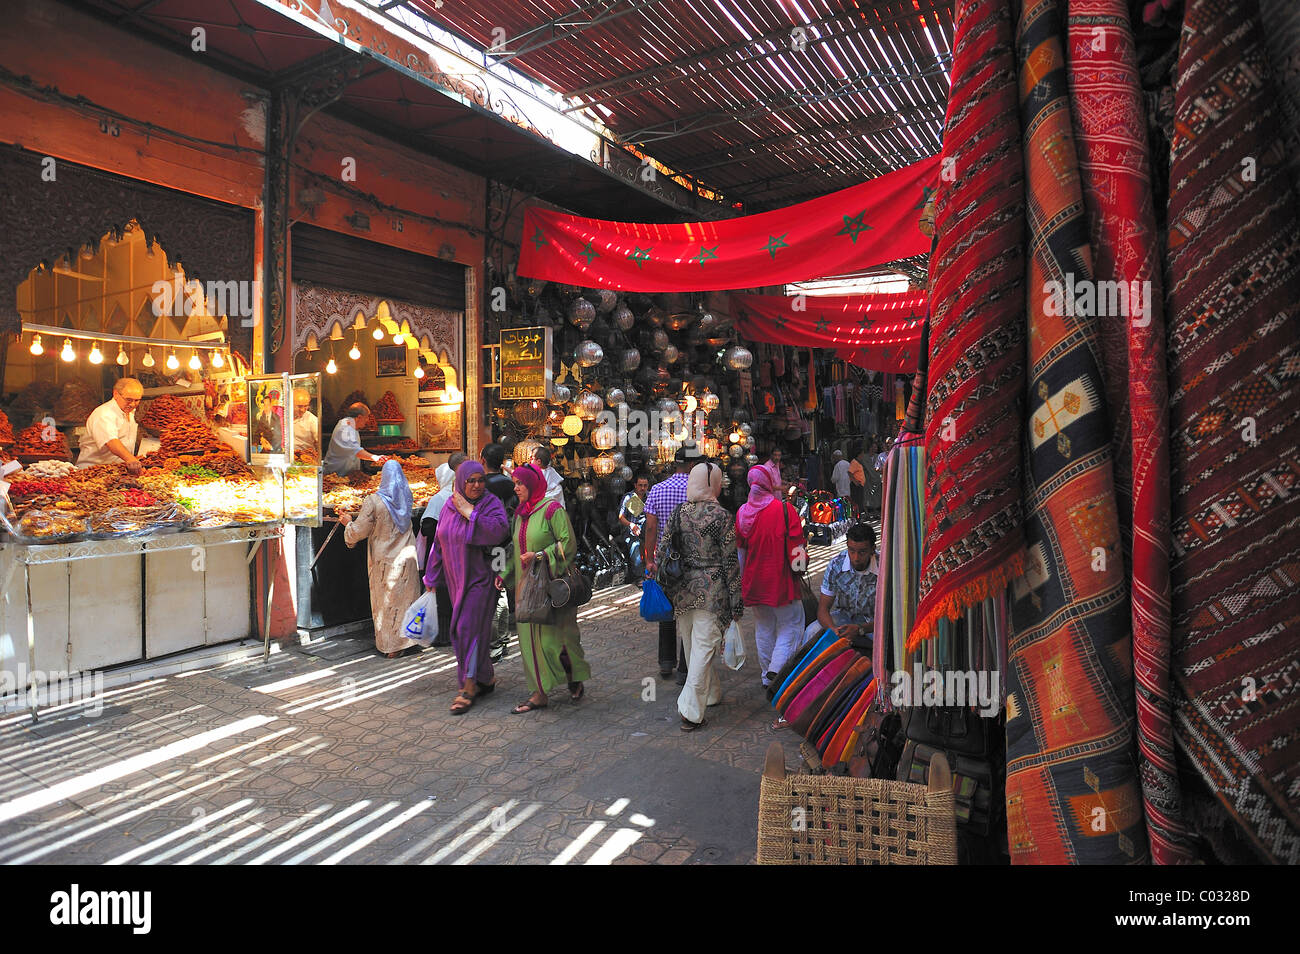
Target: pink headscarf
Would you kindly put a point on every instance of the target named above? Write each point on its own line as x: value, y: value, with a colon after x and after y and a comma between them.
x: 535, y: 481
x: 761, y: 486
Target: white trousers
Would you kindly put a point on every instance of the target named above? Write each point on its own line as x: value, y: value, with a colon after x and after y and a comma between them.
x: 778, y: 631
x: 701, y: 635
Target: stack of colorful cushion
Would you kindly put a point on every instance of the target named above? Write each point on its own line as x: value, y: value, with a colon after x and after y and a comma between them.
x: 824, y: 691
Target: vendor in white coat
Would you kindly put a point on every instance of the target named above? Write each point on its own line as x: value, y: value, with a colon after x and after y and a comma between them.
x: 306, y: 426
x: 346, y: 454
x: 111, y: 429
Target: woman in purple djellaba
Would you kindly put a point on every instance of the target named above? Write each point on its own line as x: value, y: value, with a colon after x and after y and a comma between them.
x: 472, y: 525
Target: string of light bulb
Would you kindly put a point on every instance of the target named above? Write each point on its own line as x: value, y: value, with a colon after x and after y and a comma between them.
x: 68, y: 352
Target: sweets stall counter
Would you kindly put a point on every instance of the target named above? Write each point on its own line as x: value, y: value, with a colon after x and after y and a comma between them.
x: 85, y: 605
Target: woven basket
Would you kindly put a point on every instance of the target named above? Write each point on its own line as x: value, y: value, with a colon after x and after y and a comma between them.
x: 830, y: 819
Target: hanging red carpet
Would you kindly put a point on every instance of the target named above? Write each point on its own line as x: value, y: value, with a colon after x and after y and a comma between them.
x: 1234, y: 393
x: 1114, y: 167
x: 846, y: 231
x: 1072, y: 789
x: 976, y: 370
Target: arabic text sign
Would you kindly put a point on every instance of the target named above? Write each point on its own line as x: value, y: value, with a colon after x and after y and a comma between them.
x: 525, y: 364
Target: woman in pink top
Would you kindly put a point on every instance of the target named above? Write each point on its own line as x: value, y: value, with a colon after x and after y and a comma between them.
x: 769, y: 534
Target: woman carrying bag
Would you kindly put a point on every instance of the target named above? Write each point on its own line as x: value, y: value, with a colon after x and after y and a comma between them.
x: 385, y: 522
x: 471, y: 526
x: 769, y: 533
x: 706, y: 593
x: 542, y: 531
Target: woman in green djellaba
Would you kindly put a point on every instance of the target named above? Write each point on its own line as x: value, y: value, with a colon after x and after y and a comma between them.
x: 552, y: 653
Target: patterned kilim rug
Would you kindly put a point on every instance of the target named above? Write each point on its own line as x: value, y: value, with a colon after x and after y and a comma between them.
x: 975, y: 405
x: 1114, y: 171
x: 1233, y: 288
x: 1072, y: 789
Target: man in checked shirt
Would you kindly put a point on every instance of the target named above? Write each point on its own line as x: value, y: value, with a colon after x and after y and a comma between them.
x: 665, y: 497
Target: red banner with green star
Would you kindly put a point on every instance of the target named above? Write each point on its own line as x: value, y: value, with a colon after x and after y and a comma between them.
x: 876, y: 332
x: 856, y: 228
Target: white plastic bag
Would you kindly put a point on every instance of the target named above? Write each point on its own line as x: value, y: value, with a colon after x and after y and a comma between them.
x: 733, y: 647
x: 420, y: 622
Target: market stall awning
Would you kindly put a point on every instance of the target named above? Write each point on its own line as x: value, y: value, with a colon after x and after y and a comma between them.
x: 869, y: 224
x: 877, y: 332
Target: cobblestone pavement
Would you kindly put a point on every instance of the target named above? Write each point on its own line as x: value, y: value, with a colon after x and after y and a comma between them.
x: 332, y: 754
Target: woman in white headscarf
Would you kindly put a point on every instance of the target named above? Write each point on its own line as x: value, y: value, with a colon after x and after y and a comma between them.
x: 707, y: 596
x: 385, y: 523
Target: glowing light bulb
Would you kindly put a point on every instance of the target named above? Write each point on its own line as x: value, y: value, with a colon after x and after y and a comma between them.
x: 419, y: 371
x: 397, y: 338
x: 37, y: 347
x: 331, y: 367
x: 173, y: 362
x: 217, y: 360
x: 355, y: 353
x: 378, y: 333
x: 122, y: 359
x: 96, y: 356
x: 148, y: 360
x: 195, y: 363
x: 67, y: 354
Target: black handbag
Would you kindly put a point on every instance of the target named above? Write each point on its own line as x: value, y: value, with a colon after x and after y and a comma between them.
x: 880, y: 745
x: 570, y: 590
x: 671, y: 570
x: 964, y: 737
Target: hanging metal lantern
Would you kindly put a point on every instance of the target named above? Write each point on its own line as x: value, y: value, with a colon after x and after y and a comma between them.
x: 619, y: 460
x: 571, y: 425
x: 751, y: 459
x: 680, y: 320
x: 746, y: 429
x: 710, y: 447
x: 737, y: 450
x: 623, y: 318
x: 589, y: 353
x: 626, y: 473
x: 589, y: 405
x: 608, y: 299
x: 633, y: 394
x: 631, y: 360
x: 530, y: 413
x: 738, y: 358
x: 710, y: 401
x: 672, y: 355
x: 586, y: 492
x: 656, y: 316
x: 615, y: 396
x: 561, y: 394
x: 603, y: 465
x: 581, y: 313
x: 661, y: 340
x: 555, y: 416
x: 524, y: 451
x: 604, y: 438
x: 616, y: 485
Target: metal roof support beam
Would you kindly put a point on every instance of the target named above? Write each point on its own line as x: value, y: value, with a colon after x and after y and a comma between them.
x: 571, y: 24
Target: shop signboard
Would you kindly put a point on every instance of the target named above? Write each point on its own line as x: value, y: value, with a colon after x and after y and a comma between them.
x: 526, y: 364
x: 270, y: 411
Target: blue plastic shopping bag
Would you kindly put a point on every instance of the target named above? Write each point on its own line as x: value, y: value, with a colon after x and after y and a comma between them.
x: 655, y: 607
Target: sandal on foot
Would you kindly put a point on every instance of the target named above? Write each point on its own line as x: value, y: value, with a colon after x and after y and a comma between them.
x: 576, y: 694
x: 462, y: 704
x: 780, y: 723
x: 527, y: 706
x: 689, y: 726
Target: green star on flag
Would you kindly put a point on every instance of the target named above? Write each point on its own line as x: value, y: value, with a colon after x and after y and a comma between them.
x: 782, y: 321
x: 865, y: 323
x: 822, y: 323
x: 538, y: 240
x: 775, y: 242
x: 640, y: 255
x: 854, y: 226
x: 590, y: 253
x: 706, y: 254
